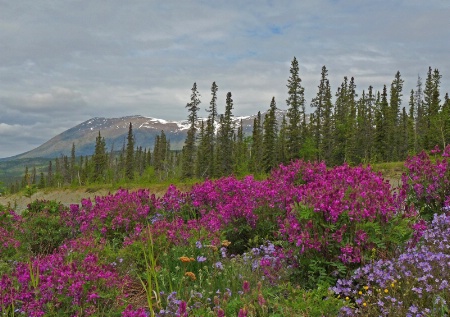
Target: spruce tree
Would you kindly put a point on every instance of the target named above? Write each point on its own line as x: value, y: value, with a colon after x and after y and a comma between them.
x: 225, y: 139
x: 296, y: 112
x: 432, y: 104
x: 240, y: 159
x: 269, y: 137
x: 382, y: 109
x: 188, y: 165
x: 256, y: 153
x: 446, y: 120
x: 341, y: 113
x: 392, y: 121
x: 72, y: 163
x: 210, y: 133
x: 50, y: 179
x: 202, y: 163
x: 282, y: 154
x: 99, y: 159
x: 129, y: 158
x: 322, y: 125
x: 412, y: 133
x: 421, y: 118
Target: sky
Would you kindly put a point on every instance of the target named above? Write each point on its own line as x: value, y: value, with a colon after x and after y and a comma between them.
x: 63, y: 62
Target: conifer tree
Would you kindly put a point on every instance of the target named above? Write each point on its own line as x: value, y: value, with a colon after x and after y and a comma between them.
x: 210, y: 132
x: 421, y: 118
x: 240, y: 159
x: 188, y: 164
x: 269, y: 137
x: 33, y: 176
x: 432, y: 106
x: 403, y: 136
x: 282, y: 154
x: 129, y: 158
x: 412, y: 133
x: 72, y: 163
x: 341, y: 113
x: 382, y: 108
x: 202, y: 163
x: 296, y: 111
x: 225, y: 139
x: 99, y: 159
x: 256, y: 154
x: 321, y: 123
x: 446, y: 120
x: 393, y: 128
x: 50, y: 174
x: 41, y: 181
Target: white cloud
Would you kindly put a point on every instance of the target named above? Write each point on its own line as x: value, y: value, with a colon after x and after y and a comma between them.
x: 64, y: 62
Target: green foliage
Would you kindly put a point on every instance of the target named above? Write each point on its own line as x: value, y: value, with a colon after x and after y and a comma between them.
x: 42, y: 228
x: 324, y: 265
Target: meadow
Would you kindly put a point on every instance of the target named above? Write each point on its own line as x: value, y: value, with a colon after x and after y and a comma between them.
x: 307, y: 241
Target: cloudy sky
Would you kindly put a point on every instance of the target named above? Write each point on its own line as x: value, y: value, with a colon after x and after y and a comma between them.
x: 63, y: 62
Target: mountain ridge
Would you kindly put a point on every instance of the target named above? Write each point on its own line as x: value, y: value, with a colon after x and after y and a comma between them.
x: 115, y: 130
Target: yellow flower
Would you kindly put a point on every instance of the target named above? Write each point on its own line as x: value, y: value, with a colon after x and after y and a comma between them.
x: 366, y: 288
x: 360, y: 293
x: 392, y: 285
x: 364, y: 304
x: 386, y: 291
x: 185, y: 259
x: 225, y: 243
x: 190, y: 275
x: 347, y: 298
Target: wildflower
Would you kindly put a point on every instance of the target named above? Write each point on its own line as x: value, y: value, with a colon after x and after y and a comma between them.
x: 218, y: 265
x: 190, y: 275
x: 261, y: 300
x: 246, y: 287
x: 201, y: 259
x: 386, y: 290
x: 225, y: 243
x: 185, y: 259
x: 242, y: 312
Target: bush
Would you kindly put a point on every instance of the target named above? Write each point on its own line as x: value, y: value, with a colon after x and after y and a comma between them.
x: 42, y: 229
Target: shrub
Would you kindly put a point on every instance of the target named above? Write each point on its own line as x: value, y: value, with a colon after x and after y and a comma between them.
x: 427, y: 182
x: 415, y: 283
x: 42, y: 229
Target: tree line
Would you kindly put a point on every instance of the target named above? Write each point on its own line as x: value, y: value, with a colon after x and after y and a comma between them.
x: 372, y: 127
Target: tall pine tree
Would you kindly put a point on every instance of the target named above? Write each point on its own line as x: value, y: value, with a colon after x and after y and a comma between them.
x: 189, y: 149
x: 129, y: 158
x: 270, y: 137
x: 295, y: 112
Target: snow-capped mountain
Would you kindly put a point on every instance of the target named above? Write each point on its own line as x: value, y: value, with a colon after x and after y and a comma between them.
x: 115, y: 131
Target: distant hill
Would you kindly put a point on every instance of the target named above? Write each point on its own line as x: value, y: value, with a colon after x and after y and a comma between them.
x: 115, y: 131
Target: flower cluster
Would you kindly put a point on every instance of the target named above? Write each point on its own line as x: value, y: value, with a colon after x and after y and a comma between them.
x: 427, y: 182
x: 415, y: 283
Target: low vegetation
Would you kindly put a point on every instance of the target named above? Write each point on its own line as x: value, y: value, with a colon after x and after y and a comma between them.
x: 305, y: 241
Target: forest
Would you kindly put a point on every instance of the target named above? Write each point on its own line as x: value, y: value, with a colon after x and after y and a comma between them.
x: 347, y: 127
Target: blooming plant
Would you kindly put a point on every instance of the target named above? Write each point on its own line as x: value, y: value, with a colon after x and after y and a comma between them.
x: 427, y: 182
x: 415, y: 283
x: 237, y: 247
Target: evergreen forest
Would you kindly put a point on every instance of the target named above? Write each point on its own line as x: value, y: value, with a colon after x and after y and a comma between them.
x: 346, y: 125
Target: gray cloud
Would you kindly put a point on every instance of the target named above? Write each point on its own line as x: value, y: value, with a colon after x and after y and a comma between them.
x: 63, y: 62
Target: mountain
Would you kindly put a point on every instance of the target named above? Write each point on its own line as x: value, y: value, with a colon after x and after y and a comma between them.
x: 115, y: 131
